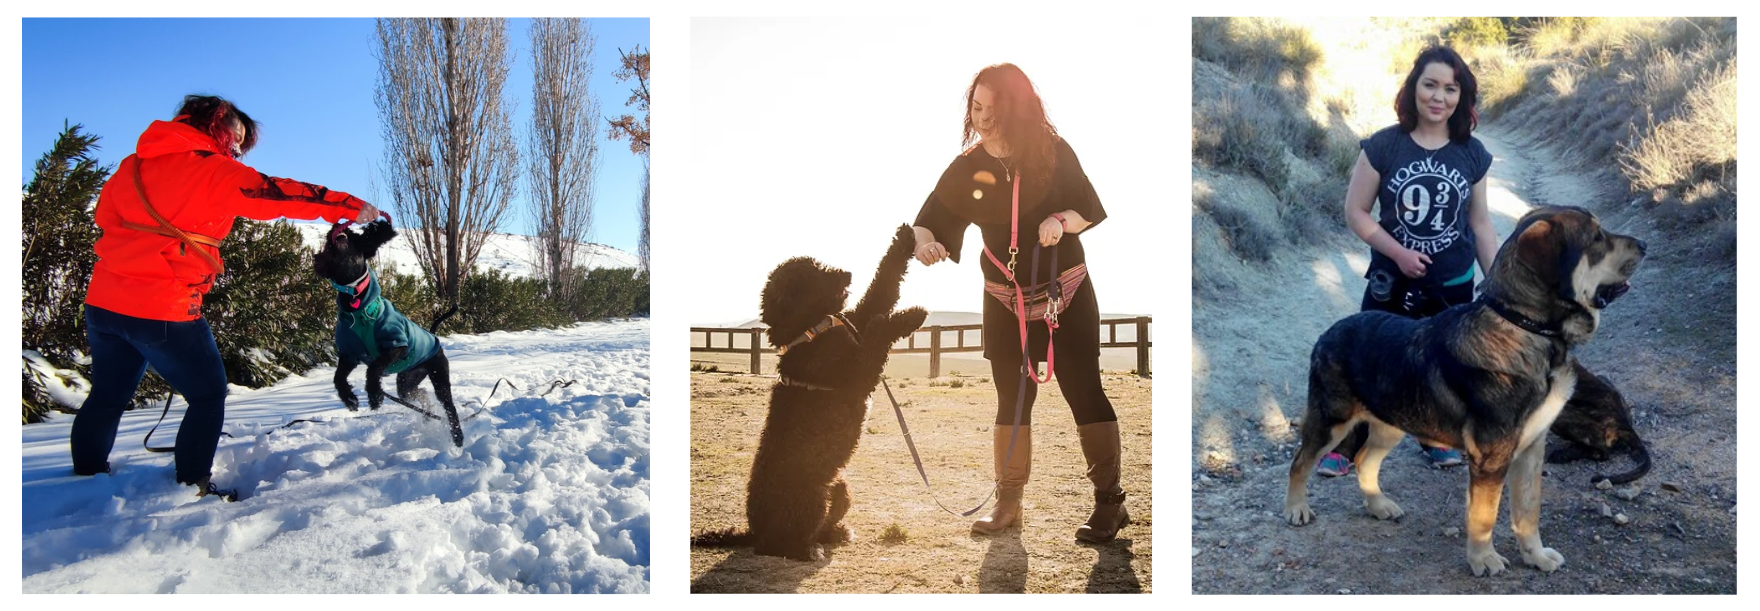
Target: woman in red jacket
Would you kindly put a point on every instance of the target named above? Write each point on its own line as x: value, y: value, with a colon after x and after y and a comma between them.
x: 163, y: 215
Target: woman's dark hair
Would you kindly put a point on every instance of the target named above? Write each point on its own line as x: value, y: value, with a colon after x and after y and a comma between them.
x: 216, y: 117
x: 1020, y: 116
x: 1466, y: 112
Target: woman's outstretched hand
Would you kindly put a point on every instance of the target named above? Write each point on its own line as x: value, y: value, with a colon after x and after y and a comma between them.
x: 931, y: 253
x: 368, y: 214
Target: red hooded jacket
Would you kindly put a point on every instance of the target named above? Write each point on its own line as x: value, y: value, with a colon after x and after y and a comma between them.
x: 198, y: 190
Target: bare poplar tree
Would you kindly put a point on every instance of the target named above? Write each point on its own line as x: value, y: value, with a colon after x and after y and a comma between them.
x: 450, y: 162
x: 562, y: 148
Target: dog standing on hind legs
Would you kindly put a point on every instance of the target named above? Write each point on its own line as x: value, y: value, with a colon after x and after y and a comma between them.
x: 370, y: 330
x: 829, y: 362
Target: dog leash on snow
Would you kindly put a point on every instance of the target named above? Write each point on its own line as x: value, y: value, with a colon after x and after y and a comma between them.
x: 484, y: 405
x: 146, y: 442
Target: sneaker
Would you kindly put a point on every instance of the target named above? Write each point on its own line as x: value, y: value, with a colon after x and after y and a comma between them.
x: 1443, y: 458
x: 1333, y: 465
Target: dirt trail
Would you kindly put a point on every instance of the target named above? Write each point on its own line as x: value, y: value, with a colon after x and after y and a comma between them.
x: 1669, y: 345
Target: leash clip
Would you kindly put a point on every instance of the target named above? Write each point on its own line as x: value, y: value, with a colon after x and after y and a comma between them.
x: 1012, y: 251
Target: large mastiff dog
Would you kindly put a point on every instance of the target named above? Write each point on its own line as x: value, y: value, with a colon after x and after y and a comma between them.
x: 1487, y: 377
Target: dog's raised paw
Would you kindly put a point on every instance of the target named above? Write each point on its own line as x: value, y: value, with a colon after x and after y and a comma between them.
x: 914, y: 317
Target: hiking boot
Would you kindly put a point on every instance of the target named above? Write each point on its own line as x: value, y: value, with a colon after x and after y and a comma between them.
x: 1100, y: 446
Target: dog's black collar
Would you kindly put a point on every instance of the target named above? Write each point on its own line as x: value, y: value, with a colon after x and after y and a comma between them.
x: 788, y: 381
x: 1529, y: 324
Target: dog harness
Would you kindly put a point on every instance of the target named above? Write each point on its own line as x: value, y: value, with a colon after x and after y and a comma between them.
x: 832, y: 321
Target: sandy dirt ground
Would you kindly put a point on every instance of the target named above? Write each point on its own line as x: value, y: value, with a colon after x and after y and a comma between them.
x: 1669, y: 346
x: 949, y: 419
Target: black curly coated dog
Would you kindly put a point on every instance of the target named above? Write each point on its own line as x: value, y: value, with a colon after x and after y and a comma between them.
x: 830, y: 362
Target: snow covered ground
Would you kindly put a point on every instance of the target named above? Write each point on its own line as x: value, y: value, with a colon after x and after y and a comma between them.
x: 549, y: 494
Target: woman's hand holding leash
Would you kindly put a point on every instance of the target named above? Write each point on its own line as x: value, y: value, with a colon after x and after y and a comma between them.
x: 1051, y: 230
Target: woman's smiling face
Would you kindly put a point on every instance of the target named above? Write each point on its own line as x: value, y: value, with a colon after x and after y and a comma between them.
x: 983, y: 110
x: 1437, y: 93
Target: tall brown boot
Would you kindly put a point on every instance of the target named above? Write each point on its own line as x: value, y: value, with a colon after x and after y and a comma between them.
x: 1101, y: 448
x: 1011, y: 479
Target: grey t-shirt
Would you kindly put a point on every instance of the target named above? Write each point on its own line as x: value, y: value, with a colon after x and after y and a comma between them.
x: 1424, y: 197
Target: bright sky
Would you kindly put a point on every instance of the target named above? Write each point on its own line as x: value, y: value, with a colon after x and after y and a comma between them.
x: 820, y: 136
x: 308, y: 81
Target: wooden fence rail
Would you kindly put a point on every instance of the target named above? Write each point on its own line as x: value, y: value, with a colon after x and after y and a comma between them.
x: 935, y: 349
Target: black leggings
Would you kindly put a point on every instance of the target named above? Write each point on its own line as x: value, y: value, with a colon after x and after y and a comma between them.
x: 1078, y: 376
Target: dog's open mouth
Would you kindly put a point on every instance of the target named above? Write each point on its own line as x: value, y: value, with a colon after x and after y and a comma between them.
x: 1609, y: 292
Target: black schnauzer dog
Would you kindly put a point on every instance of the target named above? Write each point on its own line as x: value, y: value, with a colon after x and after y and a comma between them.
x: 370, y: 330
x: 829, y: 363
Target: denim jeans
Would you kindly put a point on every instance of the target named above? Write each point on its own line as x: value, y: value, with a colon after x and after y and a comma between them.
x: 184, y: 354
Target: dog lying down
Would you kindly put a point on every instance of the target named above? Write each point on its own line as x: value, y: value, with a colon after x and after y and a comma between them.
x: 1596, y: 424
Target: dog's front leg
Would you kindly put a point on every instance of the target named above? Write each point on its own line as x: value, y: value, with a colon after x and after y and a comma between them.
x: 1524, y: 510
x: 344, y: 367
x: 376, y: 370
x: 903, y: 323
x: 882, y: 293
x: 883, y: 331
x: 1483, y: 496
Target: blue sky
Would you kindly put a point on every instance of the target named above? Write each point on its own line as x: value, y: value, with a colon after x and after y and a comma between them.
x: 308, y: 81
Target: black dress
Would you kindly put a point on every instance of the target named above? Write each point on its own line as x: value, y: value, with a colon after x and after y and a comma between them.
x: 977, y: 189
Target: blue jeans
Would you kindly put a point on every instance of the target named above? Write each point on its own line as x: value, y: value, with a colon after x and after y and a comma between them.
x: 184, y: 354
